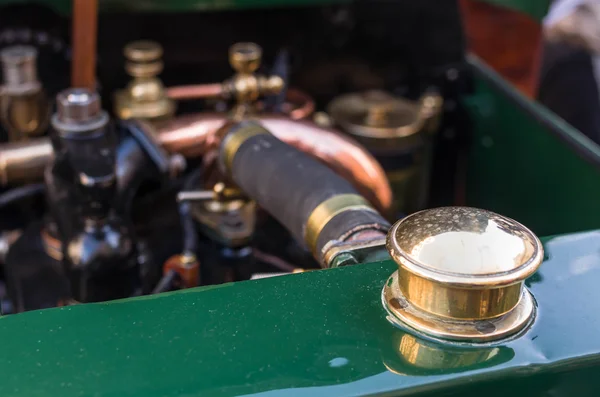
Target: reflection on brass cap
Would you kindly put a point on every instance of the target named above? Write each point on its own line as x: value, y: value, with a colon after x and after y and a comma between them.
x: 461, y: 272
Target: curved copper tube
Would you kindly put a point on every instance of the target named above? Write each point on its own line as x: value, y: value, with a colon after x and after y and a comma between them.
x: 194, y: 135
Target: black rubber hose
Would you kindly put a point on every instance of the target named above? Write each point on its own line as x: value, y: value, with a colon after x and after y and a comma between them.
x: 289, y: 184
x: 188, y: 226
x: 19, y: 193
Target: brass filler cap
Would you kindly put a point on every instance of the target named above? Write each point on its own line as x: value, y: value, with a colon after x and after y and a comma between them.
x: 461, y: 273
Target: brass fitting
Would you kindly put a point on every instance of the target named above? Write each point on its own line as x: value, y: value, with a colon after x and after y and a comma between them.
x: 224, y: 213
x: 246, y: 86
x: 24, y: 107
x: 461, y: 274
x: 145, y: 96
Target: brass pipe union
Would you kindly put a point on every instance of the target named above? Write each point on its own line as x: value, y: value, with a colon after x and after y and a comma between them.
x: 325, y: 212
x: 461, y: 273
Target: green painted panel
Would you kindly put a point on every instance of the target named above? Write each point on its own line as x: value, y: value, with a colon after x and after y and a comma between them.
x: 64, y: 6
x: 321, y: 333
x: 527, y: 163
x: 536, y: 9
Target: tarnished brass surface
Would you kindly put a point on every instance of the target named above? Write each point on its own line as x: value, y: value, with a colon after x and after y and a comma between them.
x: 234, y: 140
x: 325, y: 211
x: 461, y: 271
x: 394, y: 128
x: 381, y: 120
x: 145, y: 96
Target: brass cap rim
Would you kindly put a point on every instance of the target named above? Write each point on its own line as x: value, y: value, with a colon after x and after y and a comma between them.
x: 406, y: 316
x: 465, y: 280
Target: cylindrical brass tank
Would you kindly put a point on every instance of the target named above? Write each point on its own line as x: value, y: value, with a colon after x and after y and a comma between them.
x: 399, y: 133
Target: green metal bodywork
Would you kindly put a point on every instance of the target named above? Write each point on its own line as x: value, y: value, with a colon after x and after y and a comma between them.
x: 530, y: 164
x: 321, y: 333
x: 534, y: 8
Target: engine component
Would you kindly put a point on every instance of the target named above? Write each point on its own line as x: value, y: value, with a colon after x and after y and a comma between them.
x: 97, y: 246
x: 145, y: 96
x: 224, y: 214
x: 317, y: 206
x: 245, y: 87
x: 399, y: 133
x: 461, y: 274
x: 24, y: 108
x: 186, y: 267
x: 195, y: 135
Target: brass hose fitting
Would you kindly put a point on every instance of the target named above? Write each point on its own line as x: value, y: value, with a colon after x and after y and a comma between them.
x: 145, y: 96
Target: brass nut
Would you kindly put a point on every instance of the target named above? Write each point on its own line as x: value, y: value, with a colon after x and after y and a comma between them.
x: 461, y: 273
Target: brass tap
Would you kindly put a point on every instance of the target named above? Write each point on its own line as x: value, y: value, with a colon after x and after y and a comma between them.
x: 24, y: 107
x: 145, y: 96
x: 246, y: 86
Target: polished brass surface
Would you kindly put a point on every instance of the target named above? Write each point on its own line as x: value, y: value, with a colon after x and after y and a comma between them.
x: 325, y: 211
x: 145, y: 96
x: 24, y: 107
x: 24, y: 162
x: 462, y: 267
x: 407, y: 316
x: 245, y: 57
x: 234, y: 140
x: 246, y: 86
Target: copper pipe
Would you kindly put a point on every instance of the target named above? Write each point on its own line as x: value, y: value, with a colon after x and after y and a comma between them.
x: 299, y: 105
x: 84, y: 35
x: 197, y: 91
x: 195, y: 135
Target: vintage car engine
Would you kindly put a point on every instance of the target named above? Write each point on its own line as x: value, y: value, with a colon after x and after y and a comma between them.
x: 144, y: 181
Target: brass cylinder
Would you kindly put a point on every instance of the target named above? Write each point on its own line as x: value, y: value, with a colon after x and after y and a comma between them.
x: 398, y: 132
x: 23, y: 162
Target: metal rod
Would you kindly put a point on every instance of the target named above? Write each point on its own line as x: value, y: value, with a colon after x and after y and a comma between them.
x: 199, y: 195
x: 84, y: 35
